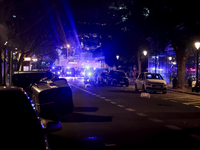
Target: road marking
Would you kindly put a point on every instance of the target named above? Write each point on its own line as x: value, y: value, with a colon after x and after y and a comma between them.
x: 174, y: 101
x: 102, y: 97
x: 173, y: 127
x: 191, y: 103
x: 155, y: 120
x: 130, y: 109
x: 113, y: 102
x: 166, y: 98
x: 197, y: 106
x: 120, y: 105
x: 141, y: 114
x: 108, y: 100
x: 97, y: 95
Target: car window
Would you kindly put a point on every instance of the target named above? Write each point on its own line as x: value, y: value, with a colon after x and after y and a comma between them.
x: 154, y: 76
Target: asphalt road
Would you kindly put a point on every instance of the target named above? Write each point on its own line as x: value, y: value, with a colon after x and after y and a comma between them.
x: 108, y: 117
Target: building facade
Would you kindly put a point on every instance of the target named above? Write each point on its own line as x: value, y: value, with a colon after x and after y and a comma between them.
x: 166, y: 65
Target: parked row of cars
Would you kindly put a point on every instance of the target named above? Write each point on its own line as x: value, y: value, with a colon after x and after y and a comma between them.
x: 146, y: 81
x: 34, y: 95
x: 102, y: 76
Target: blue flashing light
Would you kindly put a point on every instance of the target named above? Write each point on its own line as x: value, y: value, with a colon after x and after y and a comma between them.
x: 53, y: 67
x: 87, y: 67
x: 58, y: 72
x: 89, y: 73
x: 92, y: 138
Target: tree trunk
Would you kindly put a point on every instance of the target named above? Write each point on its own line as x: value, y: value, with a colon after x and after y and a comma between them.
x: 139, y: 63
x: 20, y: 62
x: 0, y: 67
x: 181, y: 73
x: 181, y: 57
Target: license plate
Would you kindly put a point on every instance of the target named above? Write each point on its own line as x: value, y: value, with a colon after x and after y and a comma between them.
x: 121, y: 82
x: 157, y: 86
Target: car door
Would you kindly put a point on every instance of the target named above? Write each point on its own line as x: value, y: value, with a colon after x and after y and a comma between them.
x: 140, y: 81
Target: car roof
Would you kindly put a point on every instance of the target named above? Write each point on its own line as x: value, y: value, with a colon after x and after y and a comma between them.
x: 12, y: 93
x: 150, y: 73
x: 28, y: 72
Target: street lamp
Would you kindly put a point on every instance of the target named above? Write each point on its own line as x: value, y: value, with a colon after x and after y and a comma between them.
x: 68, y: 46
x: 145, y: 53
x: 117, y: 56
x: 197, y: 45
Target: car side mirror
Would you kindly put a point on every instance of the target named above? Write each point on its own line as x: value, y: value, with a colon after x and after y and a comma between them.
x: 52, y: 127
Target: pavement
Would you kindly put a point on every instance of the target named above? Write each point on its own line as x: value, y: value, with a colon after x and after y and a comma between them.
x: 187, y: 90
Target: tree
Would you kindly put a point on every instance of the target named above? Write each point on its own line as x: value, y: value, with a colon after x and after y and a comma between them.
x: 179, y: 25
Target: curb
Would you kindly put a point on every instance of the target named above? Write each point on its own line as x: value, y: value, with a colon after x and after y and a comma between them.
x: 192, y: 93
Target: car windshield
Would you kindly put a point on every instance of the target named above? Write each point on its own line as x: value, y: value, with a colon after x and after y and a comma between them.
x: 154, y: 76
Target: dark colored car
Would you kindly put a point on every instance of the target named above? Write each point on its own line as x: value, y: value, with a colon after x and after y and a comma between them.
x: 25, y: 78
x: 22, y: 128
x: 102, y: 77
x: 50, y: 94
x: 117, y: 77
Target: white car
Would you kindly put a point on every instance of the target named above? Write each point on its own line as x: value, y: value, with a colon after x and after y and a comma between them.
x: 151, y: 82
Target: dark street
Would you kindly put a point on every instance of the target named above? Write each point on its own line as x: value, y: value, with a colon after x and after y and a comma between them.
x: 117, y: 117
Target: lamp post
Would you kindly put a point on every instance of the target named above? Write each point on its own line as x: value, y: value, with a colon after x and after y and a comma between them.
x: 117, y: 56
x: 145, y: 54
x: 68, y: 46
x: 197, y: 45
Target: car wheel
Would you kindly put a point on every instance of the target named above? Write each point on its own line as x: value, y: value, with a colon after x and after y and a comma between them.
x: 127, y: 84
x: 136, y: 89
x: 164, y: 92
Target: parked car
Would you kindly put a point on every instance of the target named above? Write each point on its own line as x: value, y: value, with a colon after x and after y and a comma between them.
x: 101, y: 77
x: 22, y: 128
x: 50, y: 94
x: 151, y: 82
x: 117, y: 77
x: 25, y: 78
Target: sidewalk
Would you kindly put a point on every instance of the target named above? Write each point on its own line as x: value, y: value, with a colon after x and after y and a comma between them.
x: 187, y: 89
